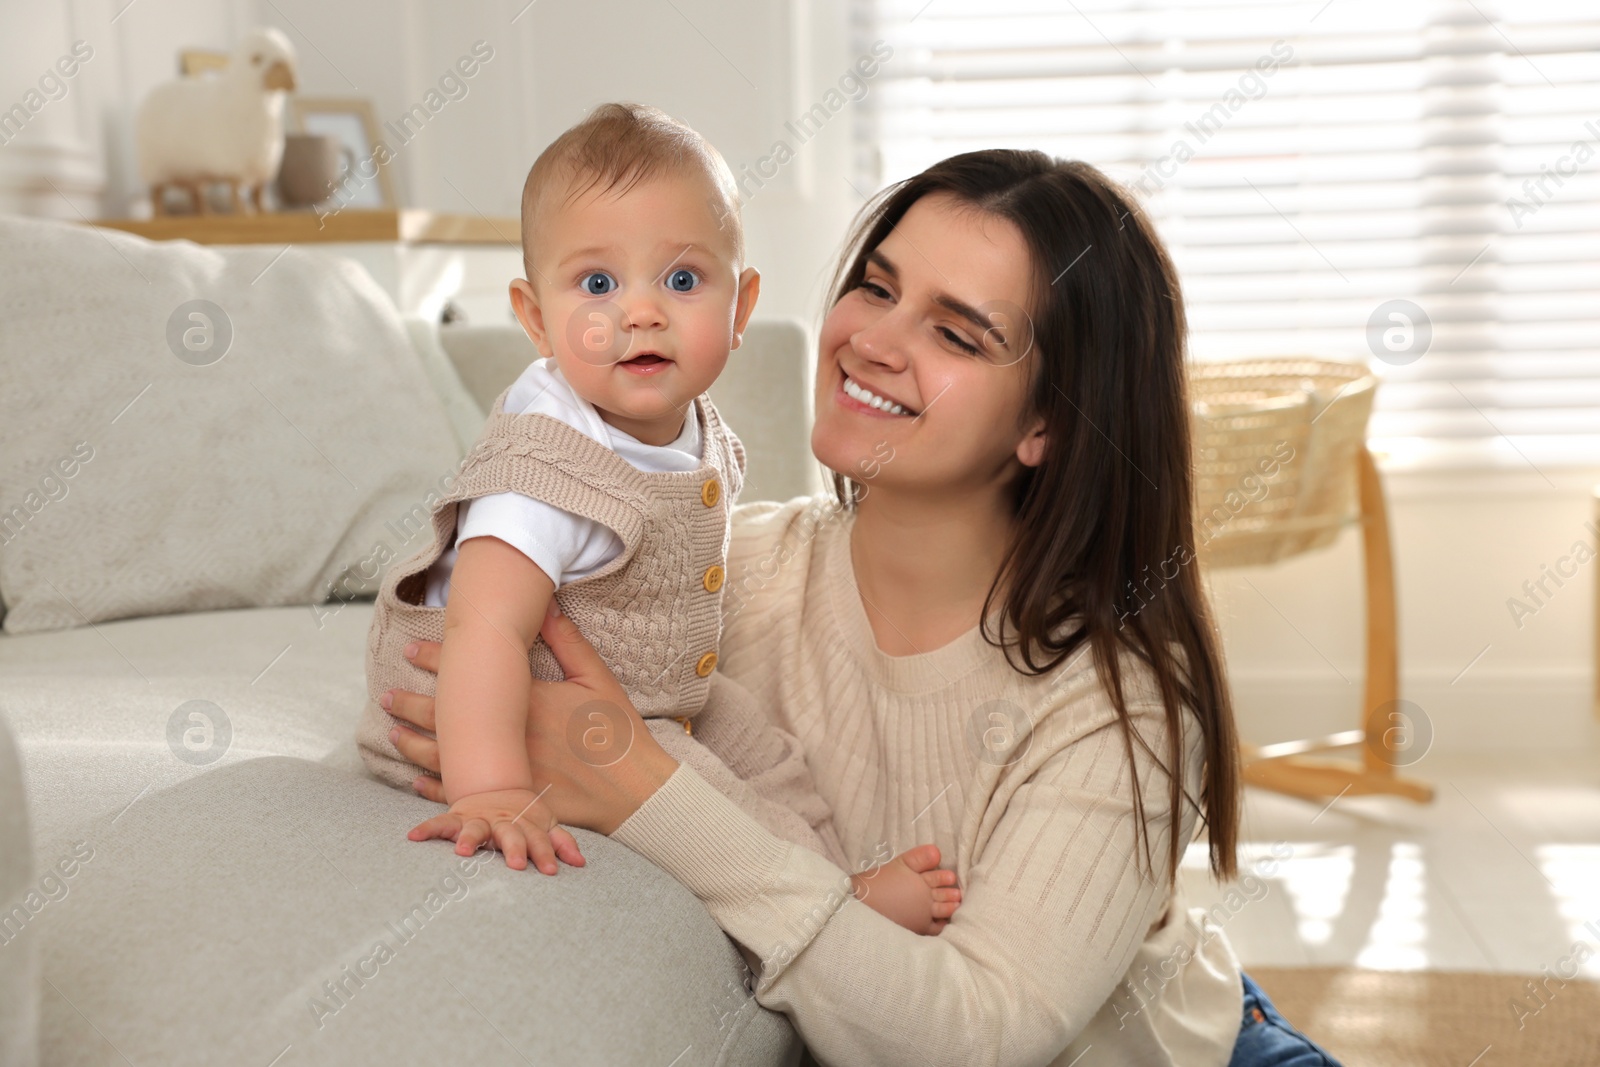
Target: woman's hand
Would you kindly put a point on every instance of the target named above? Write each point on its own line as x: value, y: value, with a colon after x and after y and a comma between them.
x: 593, y: 759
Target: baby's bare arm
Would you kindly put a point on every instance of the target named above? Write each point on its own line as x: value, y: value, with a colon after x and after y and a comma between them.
x: 497, y: 602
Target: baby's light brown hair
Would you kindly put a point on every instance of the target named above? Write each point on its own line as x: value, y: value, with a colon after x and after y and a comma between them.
x: 617, y: 146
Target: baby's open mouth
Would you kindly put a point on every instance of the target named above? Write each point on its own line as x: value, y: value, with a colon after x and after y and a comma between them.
x: 646, y: 363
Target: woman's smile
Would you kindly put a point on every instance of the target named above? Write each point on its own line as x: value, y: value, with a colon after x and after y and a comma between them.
x: 853, y: 396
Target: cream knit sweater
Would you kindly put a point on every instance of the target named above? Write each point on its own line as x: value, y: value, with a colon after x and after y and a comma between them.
x: 1060, y: 944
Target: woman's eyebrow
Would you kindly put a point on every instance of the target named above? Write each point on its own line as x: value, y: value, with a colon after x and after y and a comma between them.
x: 978, y: 319
x: 968, y: 312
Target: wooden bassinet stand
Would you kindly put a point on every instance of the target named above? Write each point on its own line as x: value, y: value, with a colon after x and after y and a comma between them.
x: 1282, y: 467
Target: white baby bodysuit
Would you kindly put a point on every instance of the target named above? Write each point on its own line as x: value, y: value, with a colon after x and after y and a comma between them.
x: 563, y: 545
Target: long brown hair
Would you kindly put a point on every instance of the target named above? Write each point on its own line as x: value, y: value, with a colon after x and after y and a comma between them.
x: 1112, y: 501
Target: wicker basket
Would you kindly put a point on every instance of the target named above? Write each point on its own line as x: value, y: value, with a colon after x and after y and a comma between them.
x: 1275, y: 446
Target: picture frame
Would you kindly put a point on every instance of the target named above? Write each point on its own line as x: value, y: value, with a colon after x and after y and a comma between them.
x: 193, y: 62
x: 355, y: 124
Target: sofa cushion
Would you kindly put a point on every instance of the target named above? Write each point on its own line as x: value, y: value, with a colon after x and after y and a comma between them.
x: 272, y: 911
x: 467, y: 415
x: 195, y: 428
x: 108, y: 712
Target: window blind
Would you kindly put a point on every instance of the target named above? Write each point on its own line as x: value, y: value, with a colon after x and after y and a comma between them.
x: 1414, y: 184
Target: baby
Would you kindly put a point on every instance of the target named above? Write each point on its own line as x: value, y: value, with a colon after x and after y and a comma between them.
x: 605, y: 479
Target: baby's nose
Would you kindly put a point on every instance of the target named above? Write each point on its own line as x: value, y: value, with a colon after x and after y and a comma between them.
x: 643, y: 311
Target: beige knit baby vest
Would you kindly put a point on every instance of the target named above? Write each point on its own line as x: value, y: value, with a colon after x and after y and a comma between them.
x: 654, y: 613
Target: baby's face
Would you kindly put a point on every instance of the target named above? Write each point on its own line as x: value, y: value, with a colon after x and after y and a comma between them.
x: 639, y: 297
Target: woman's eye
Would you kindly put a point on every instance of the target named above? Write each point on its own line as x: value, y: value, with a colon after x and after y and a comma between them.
x: 598, y: 283
x: 956, y: 339
x: 682, y: 280
x: 876, y: 290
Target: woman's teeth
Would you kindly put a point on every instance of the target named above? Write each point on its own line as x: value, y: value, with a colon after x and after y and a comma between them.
x: 868, y: 397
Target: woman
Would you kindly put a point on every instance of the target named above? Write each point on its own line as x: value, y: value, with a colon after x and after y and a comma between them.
x: 988, y: 636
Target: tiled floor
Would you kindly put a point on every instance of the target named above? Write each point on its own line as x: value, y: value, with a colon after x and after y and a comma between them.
x: 1500, y: 873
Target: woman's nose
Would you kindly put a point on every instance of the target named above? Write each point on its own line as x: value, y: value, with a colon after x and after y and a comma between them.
x: 882, y: 342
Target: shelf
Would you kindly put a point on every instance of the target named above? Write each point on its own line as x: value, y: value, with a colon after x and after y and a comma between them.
x: 408, y: 226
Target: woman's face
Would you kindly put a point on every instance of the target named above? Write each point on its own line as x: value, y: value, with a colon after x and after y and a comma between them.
x: 936, y: 331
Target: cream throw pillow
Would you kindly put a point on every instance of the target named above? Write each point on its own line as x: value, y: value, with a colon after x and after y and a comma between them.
x: 191, y: 429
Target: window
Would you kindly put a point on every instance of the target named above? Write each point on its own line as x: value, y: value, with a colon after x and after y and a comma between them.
x: 1414, y: 184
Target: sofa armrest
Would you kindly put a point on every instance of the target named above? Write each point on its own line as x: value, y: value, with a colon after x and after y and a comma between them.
x: 487, y: 358
x: 20, y: 901
x: 276, y: 904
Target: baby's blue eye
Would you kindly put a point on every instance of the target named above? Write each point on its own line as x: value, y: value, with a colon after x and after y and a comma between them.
x: 598, y: 283
x: 682, y: 280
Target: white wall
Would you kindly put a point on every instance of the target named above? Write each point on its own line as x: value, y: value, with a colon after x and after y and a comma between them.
x: 1464, y: 542
x: 735, y: 71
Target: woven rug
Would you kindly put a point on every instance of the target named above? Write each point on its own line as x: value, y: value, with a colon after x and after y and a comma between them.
x: 1448, y: 1019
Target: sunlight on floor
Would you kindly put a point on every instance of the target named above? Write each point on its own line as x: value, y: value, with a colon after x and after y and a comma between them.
x: 1397, y: 940
x: 1317, y: 878
x: 1500, y: 873
x: 1574, y: 875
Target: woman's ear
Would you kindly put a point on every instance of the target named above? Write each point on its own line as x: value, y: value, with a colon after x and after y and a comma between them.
x: 749, y: 290
x: 1030, y: 450
x: 525, y: 305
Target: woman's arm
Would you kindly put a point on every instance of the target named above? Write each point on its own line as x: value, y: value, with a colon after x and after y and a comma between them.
x: 1055, y: 906
x: 1055, y: 909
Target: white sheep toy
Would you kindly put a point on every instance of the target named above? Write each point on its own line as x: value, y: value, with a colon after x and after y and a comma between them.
x: 227, y: 127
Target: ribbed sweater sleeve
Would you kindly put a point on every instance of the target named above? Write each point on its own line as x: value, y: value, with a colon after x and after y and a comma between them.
x: 1054, y: 909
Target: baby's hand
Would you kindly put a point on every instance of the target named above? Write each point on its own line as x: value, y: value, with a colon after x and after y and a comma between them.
x: 911, y: 890
x: 518, y: 823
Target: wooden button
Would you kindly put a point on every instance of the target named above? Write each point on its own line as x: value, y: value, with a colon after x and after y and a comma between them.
x: 707, y: 664
x: 713, y: 579
x: 710, y: 492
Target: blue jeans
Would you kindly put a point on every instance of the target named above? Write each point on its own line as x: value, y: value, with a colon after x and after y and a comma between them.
x: 1267, y: 1040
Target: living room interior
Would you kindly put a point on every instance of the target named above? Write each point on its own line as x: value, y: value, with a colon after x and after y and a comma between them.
x: 1385, y: 214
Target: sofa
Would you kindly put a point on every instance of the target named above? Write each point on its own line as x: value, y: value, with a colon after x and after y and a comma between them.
x: 195, y: 868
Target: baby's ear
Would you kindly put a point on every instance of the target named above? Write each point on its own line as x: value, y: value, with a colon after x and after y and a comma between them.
x: 525, y: 305
x: 749, y: 291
